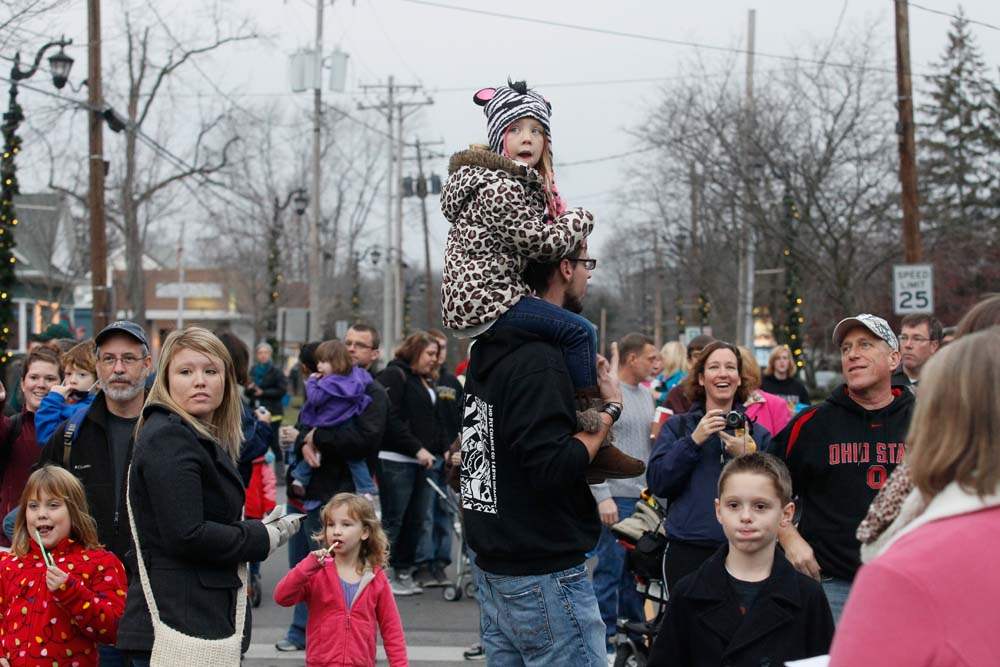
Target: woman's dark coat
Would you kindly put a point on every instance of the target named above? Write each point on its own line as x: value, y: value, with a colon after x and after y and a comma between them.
x: 413, y: 418
x: 187, y: 498
x: 703, y: 627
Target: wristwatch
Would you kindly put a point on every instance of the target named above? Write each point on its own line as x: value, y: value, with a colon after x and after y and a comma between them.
x: 614, y: 410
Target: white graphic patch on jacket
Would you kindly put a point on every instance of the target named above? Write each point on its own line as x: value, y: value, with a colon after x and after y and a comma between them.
x: 479, y: 484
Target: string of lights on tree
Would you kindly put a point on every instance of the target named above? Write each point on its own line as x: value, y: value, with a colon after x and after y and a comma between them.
x: 704, y: 309
x: 8, y: 220
x: 274, y: 283
x: 791, y: 330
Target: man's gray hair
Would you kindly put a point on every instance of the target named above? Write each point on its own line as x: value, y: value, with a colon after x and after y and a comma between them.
x: 264, y: 346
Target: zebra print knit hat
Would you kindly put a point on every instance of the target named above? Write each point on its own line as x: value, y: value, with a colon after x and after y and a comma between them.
x: 506, y: 104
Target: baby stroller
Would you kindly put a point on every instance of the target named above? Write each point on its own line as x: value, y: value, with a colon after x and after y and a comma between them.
x: 645, y: 542
x: 463, y: 583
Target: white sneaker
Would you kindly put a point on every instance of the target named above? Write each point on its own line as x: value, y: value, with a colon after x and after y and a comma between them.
x: 403, y: 585
x: 406, y: 578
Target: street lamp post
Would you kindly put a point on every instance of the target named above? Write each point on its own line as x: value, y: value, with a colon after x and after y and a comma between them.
x: 60, y: 65
x: 299, y: 198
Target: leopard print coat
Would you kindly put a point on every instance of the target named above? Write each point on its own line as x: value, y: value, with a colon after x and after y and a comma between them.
x: 496, y: 208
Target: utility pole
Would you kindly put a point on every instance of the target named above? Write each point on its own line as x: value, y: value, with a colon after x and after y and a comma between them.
x: 422, y: 193
x: 744, y: 324
x: 387, y: 306
x: 912, y: 244
x: 315, y: 328
x: 392, y: 285
x: 398, y: 277
x: 95, y: 162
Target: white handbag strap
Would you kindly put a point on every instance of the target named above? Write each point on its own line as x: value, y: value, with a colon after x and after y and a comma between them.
x: 147, y: 590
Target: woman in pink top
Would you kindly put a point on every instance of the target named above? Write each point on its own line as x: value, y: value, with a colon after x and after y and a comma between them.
x: 766, y: 409
x: 929, y: 596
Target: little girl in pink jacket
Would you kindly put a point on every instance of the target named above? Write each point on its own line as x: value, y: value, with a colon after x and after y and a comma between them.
x: 347, y: 592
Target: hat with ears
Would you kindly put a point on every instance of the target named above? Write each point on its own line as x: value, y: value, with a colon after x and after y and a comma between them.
x: 506, y: 104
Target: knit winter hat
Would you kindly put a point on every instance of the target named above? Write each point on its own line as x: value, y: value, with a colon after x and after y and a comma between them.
x: 506, y: 104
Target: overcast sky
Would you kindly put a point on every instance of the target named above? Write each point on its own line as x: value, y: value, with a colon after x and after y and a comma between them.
x: 452, y: 53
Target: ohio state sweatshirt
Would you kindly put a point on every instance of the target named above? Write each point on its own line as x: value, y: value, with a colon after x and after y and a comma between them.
x: 840, y: 455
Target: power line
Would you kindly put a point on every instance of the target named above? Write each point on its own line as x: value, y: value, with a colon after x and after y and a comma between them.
x: 954, y: 16
x: 652, y: 38
x: 392, y: 45
x: 605, y: 158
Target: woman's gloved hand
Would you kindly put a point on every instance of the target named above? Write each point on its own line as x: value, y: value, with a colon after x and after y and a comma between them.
x: 281, y: 530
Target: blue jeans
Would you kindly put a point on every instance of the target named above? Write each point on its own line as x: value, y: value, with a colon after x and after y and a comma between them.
x: 299, y: 546
x: 614, y: 585
x: 548, y: 620
x: 301, y: 471
x: 362, y: 477
x: 434, y: 547
x: 109, y: 656
x: 404, y: 497
x: 573, y: 333
x: 836, y: 594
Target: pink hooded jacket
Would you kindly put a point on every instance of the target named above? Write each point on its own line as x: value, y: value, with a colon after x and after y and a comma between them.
x: 338, y: 636
x: 772, y: 412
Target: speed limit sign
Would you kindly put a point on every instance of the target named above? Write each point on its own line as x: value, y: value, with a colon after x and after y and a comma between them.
x: 913, y: 288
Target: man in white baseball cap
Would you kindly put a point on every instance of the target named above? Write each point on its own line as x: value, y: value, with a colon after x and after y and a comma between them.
x: 842, y: 451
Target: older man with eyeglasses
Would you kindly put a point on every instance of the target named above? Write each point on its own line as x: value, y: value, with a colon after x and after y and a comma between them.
x: 97, y: 446
x: 919, y: 340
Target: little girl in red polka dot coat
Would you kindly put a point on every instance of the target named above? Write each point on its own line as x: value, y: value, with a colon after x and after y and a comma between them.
x: 60, y: 594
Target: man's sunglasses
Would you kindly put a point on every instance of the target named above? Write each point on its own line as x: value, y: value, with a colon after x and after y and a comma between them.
x: 590, y: 264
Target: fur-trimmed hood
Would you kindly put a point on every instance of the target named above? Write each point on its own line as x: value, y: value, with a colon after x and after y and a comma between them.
x: 479, y: 167
x: 479, y: 155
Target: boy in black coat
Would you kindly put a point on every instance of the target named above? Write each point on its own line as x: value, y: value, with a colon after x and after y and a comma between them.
x: 746, y: 605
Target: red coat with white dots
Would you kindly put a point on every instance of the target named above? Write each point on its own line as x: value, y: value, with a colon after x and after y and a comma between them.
x: 62, y: 628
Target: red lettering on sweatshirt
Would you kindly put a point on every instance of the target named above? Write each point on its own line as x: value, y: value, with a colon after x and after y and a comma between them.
x: 850, y: 452
x: 890, y: 452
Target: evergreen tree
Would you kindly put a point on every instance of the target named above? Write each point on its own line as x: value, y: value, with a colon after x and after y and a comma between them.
x: 960, y: 144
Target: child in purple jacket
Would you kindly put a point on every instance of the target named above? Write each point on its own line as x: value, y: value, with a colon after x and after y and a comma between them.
x: 334, y: 395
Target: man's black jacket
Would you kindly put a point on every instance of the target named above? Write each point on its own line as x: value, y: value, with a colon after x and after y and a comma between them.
x: 91, y: 461
x: 525, y: 500
x: 357, y: 438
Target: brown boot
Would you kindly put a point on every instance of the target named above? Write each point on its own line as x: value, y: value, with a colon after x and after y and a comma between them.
x: 612, y: 463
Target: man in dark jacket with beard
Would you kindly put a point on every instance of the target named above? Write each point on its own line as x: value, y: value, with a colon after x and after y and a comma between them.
x: 99, y: 452
x: 841, y: 452
x: 529, y: 514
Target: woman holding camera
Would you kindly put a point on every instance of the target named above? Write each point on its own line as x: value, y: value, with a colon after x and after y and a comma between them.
x: 692, y: 448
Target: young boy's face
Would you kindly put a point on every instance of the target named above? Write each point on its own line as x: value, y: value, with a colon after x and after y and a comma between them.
x: 78, y: 379
x: 750, y: 512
